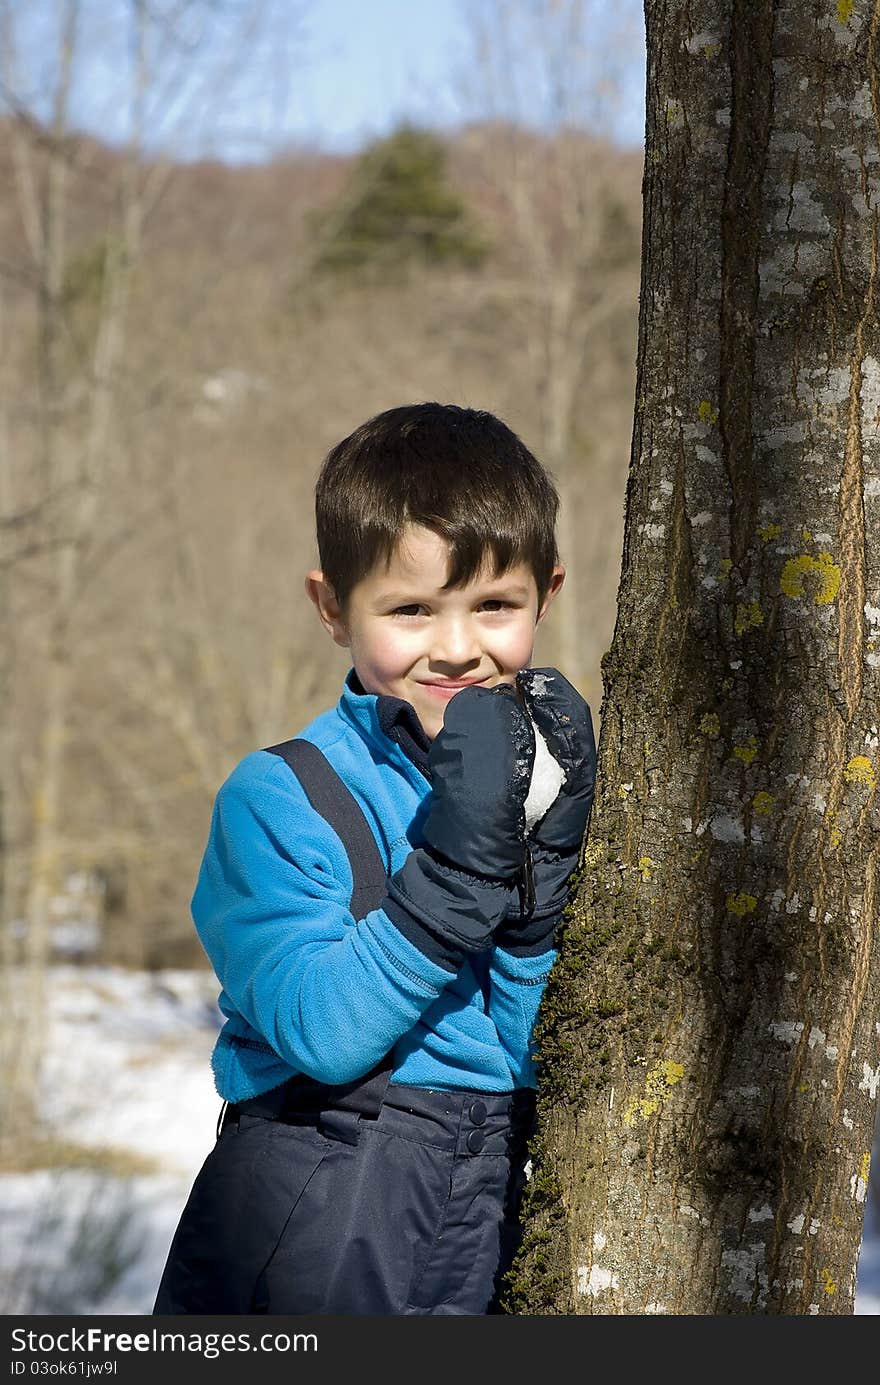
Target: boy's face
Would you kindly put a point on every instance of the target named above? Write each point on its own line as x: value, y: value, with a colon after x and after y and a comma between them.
x: 410, y: 639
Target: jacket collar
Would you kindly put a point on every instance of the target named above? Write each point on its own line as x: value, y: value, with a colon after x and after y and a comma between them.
x: 380, y: 715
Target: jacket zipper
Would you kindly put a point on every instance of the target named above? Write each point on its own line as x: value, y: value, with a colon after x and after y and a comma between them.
x: 526, y: 886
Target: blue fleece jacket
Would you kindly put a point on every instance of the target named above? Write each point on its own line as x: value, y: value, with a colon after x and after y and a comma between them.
x: 306, y: 987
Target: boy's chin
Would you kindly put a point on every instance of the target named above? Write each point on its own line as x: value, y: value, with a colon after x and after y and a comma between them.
x: 432, y: 724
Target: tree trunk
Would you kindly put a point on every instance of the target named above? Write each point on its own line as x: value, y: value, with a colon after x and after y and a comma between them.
x: 79, y: 470
x: 709, y: 1046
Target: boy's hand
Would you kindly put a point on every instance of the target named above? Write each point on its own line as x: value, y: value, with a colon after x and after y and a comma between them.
x: 564, y: 720
x: 480, y: 767
x: 454, y: 891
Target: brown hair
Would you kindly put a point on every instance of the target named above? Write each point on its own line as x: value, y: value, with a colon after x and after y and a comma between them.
x: 459, y: 472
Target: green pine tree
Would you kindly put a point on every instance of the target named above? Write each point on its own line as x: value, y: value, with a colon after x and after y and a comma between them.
x: 399, y: 209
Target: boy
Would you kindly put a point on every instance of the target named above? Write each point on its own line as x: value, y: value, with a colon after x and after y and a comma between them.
x: 436, y: 538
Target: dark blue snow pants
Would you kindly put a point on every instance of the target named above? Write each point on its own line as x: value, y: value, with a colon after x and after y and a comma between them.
x: 412, y: 1212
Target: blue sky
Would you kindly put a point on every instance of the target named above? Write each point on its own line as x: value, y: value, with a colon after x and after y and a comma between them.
x: 358, y: 67
x: 368, y: 65
x: 243, y: 78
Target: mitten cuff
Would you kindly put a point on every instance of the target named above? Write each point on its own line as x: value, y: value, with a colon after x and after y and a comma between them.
x: 444, y: 911
x: 526, y: 936
x: 530, y: 940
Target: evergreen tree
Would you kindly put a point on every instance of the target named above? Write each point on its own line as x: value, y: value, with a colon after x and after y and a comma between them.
x: 399, y: 209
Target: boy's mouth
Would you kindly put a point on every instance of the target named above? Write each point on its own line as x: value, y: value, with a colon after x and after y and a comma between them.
x: 447, y: 689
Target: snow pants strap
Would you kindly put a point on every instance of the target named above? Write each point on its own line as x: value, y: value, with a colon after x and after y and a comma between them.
x: 341, y: 1106
x: 330, y: 797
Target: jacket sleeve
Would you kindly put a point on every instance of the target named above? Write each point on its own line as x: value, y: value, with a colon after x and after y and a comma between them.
x: 516, y: 985
x: 330, y: 993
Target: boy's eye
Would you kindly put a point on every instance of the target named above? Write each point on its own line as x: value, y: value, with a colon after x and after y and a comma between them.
x: 414, y: 610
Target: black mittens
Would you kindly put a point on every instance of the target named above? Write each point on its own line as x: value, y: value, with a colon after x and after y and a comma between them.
x: 481, y: 877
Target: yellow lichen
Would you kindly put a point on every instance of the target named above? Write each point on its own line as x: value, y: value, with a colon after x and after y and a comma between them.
x: 748, y: 616
x: 742, y: 904
x: 593, y: 854
x: 658, y: 1085
x: 724, y: 569
x: 864, y: 1167
x: 706, y: 413
x: 747, y: 751
x: 825, y: 570
x: 769, y: 531
x: 763, y: 803
x: 834, y: 832
x: 860, y: 771
x: 710, y: 724
x: 674, y: 111
x: 711, y: 51
x: 828, y: 1281
x: 647, y: 867
x: 845, y: 9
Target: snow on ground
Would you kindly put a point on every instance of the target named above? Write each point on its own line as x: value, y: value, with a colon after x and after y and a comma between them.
x: 129, y: 1061
x: 127, y: 1068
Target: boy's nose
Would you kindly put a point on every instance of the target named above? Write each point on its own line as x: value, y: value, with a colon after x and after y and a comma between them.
x: 455, y: 642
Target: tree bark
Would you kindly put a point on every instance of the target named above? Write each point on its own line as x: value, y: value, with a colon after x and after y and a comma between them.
x: 709, y: 1046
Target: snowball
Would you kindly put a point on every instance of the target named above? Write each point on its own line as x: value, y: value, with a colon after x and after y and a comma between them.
x: 547, y: 779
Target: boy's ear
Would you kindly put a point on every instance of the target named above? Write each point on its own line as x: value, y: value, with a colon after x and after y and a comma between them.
x: 323, y: 598
x: 556, y: 582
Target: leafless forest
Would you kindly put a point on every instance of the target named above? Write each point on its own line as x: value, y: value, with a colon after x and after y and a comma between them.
x: 175, y: 359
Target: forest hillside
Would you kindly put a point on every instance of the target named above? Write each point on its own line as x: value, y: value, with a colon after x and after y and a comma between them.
x: 181, y: 344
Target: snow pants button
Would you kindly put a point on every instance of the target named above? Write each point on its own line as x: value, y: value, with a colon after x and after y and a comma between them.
x: 475, y: 1141
x: 477, y: 1112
